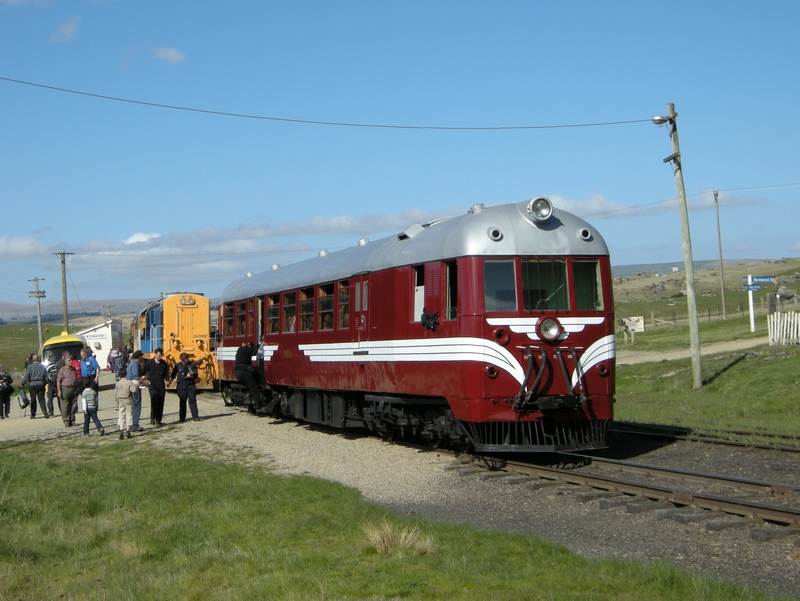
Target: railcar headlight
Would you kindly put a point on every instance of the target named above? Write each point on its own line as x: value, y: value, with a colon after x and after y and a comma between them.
x: 549, y: 328
x: 540, y: 209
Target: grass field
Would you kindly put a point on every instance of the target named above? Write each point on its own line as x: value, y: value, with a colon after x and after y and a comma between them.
x: 132, y: 521
x: 83, y: 521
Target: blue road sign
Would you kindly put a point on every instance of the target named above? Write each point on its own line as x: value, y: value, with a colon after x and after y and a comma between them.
x: 761, y: 279
x: 752, y: 286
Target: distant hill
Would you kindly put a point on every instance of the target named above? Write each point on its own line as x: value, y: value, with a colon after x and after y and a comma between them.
x: 52, y: 310
x: 629, y: 270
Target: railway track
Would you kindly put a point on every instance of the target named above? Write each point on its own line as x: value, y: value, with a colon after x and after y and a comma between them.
x: 738, y: 438
x: 684, y: 495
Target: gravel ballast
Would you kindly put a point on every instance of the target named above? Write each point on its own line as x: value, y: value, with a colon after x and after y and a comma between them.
x: 424, y: 485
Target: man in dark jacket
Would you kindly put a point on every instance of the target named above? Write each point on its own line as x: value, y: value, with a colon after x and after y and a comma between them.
x: 156, y: 373
x: 184, y: 374
x: 244, y: 372
x: 36, y: 379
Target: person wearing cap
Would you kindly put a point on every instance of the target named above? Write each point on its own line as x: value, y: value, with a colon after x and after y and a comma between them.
x: 134, y: 372
x: 67, y: 381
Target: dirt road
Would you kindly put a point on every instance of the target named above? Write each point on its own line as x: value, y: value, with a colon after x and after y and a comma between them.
x: 631, y: 357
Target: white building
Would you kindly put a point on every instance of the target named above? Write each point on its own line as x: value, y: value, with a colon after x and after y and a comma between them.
x: 102, y: 338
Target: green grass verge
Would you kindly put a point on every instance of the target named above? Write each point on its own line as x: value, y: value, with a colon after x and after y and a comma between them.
x: 92, y: 520
x: 756, y: 389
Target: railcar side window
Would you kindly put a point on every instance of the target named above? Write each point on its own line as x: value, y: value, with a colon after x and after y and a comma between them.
x: 251, y: 321
x: 544, y: 285
x: 241, y: 318
x: 289, y: 311
x: 273, y: 313
x: 307, y: 310
x: 325, y: 306
x: 419, y: 292
x: 499, y: 286
x: 588, y: 286
x: 227, y: 320
x: 452, y: 289
x: 344, y: 304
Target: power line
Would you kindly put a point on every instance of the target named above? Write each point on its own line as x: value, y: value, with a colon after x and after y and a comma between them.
x: 314, y: 122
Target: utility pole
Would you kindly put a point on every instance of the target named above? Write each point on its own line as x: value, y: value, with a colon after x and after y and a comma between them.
x: 38, y: 294
x: 671, y: 119
x: 721, y: 269
x: 63, y: 256
x: 109, y: 308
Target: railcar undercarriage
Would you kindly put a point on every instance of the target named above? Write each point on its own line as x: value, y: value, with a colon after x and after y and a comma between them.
x: 395, y: 417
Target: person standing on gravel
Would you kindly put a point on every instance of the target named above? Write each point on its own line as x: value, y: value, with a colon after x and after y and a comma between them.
x: 52, y: 387
x: 156, y: 374
x: 124, y: 390
x: 90, y: 370
x: 67, y: 383
x: 36, y: 379
x: 186, y: 372
x: 6, y: 390
x: 90, y: 406
x: 133, y: 373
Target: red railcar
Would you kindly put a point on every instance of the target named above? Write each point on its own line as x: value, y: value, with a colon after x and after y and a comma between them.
x: 493, y: 330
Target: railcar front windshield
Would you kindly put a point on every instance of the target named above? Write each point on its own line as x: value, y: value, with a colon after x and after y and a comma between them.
x: 544, y: 285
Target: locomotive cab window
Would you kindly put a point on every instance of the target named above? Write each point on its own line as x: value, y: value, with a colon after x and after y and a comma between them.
x: 588, y: 286
x: 544, y: 285
x: 499, y: 286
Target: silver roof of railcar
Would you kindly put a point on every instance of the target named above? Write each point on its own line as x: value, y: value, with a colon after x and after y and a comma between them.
x: 505, y: 229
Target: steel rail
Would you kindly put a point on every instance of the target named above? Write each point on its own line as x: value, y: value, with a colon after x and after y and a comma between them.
x: 734, y: 506
x: 724, y: 437
x: 658, y: 471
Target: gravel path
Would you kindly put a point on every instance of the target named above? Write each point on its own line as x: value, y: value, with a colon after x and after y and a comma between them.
x: 626, y: 356
x: 418, y: 484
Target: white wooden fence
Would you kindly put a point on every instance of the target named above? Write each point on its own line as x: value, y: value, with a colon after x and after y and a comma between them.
x: 784, y: 328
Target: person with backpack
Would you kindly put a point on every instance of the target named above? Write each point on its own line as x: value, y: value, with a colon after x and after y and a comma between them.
x: 186, y: 373
x: 36, y: 378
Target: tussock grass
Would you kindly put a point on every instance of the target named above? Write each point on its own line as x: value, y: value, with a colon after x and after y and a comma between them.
x: 388, y: 538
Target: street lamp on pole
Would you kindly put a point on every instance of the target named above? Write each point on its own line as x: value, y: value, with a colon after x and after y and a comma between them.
x: 671, y: 119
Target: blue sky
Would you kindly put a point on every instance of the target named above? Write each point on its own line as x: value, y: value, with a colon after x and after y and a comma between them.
x: 154, y: 200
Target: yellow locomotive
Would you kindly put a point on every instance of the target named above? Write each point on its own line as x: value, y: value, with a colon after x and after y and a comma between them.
x: 178, y: 322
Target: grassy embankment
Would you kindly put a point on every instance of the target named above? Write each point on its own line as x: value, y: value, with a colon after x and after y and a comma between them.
x: 753, y: 389
x: 84, y: 520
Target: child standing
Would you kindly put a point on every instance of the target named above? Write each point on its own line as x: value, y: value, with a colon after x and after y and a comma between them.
x: 124, y: 390
x: 89, y: 407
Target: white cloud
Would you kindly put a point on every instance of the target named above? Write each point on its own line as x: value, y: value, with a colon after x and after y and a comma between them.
x: 20, y: 248
x: 66, y: 31
x: 139, y: 237
x: 171, y: 55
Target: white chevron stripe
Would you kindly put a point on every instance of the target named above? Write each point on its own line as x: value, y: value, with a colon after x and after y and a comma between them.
x: 418, y: 350
x: 601, y: 350
x: 527, y: 325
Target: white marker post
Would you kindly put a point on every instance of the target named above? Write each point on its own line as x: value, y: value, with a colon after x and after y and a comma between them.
x: 752, y: 303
